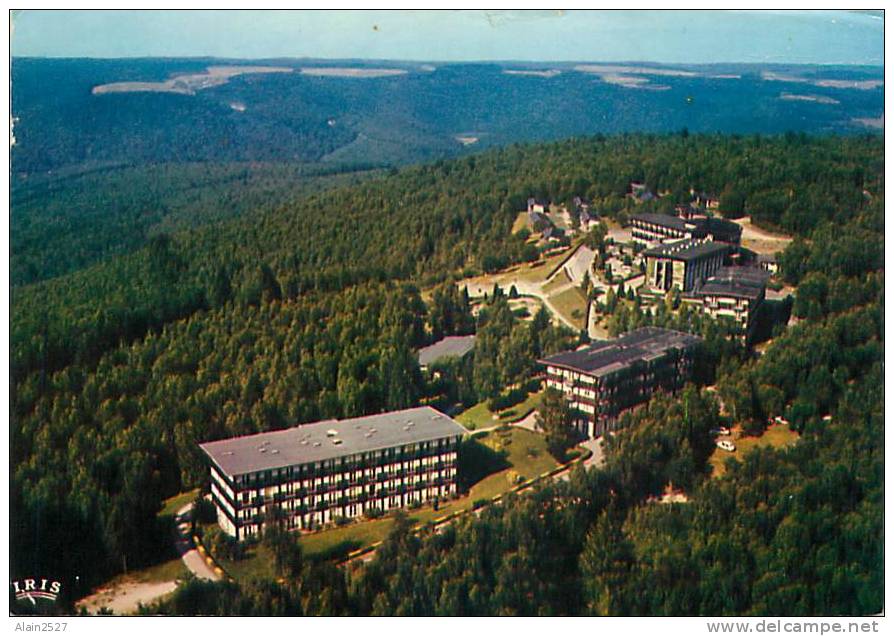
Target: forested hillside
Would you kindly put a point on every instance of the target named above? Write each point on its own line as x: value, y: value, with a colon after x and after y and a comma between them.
x: 429, y: 112
x: 65, y: 222
x: 424, y: 223
x: 312, y: 309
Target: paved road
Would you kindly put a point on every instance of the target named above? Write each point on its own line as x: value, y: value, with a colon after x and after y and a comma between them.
x: 127, y: 597
x: 194, y: 561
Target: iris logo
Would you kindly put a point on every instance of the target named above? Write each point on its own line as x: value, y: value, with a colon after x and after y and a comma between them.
x: 33, y: 589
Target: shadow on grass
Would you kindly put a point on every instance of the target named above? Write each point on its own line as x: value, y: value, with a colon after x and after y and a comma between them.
x: 476, y: 461
x: 338, y: 551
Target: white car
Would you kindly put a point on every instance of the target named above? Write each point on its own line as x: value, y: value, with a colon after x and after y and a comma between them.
x: 726, y: 445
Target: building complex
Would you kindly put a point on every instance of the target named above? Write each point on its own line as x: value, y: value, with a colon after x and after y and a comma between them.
x: 312, y: 474
x: 607, y: 377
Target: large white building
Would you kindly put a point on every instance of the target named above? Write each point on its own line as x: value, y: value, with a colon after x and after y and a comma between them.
x: 312, y: 474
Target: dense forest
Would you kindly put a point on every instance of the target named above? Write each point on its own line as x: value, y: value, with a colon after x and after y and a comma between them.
x: 423, y: 115
x: 64, y: 222
x: 313, y: 309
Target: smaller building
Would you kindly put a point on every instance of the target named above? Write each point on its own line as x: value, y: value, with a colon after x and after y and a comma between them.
x: 580, y: 204
x: 735, y: 293
x: 683, y: 264
x: 705, y: 200
x: 640, y: 193
x: 769, y: 263
x: 538, y: 206
x: 447, y: 347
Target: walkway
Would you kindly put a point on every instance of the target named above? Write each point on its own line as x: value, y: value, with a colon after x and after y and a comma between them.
x: 194, y: 561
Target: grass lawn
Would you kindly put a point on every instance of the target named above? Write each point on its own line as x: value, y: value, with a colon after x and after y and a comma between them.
x: 495, y: 462
x: 175, y: 503
x: 560, y: 280
x: 525, y: 453
x: 170, y: 570
x: 539, y: 272
x: 479, y: 416
x: 572, y: 305
x: 258, y: 563
x: 522, y: 221
x: 776, y: 435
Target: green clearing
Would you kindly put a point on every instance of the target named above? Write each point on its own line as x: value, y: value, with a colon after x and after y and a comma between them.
x: 479, y: 416
x: 494, y: 461
x: 538, y: 271
x: 522, y: 222
x: 560, y: 280
x: 572, y: 305
x: 170, y: 570
x: 776, y: 436
x: 175, y: 503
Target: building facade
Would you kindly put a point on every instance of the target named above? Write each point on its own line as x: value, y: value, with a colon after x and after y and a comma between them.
x: 735, y: 293
x: 652, y: 229
x: 683, y: 264
x: 610, y: 376
x: 313, y: 474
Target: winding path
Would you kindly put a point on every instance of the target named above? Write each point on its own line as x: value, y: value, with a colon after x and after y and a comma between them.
x: 193, y: 561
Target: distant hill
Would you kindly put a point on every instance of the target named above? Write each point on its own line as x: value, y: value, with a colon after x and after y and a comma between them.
x: 358, y: 113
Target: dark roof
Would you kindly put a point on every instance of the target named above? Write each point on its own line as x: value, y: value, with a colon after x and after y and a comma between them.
x: 449, y: 347
x: 687, y: 249
x: 738, y: 282
x: 607, y: 356
x: 313, y: 442
x: 721, y: 229
x: 539, y: 216
x: 664, y: 220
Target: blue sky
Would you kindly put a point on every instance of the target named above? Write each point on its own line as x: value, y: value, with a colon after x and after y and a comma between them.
x: 814, y: 37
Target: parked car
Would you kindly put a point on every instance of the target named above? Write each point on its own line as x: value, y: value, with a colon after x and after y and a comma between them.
x: 726, y: 445
x: 722, y: 430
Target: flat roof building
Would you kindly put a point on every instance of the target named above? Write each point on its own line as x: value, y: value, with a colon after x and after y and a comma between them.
x: 651, y: 228
x: 608, y: 376
x: 311, y: 474
x: 683, y: 264
x: 448, y: 347
x: 736, y: 293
